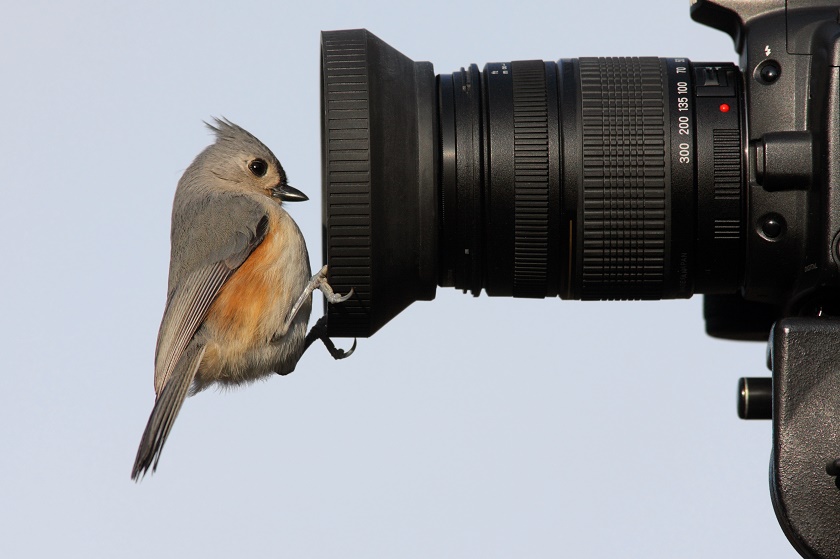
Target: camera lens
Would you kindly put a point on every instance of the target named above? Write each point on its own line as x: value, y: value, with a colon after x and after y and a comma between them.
x: 590, y: 178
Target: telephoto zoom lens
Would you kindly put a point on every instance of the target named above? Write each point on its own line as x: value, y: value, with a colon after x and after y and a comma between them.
x: 588, y: 178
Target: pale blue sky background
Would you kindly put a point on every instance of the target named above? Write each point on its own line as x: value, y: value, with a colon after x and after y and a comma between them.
x: 467, y: 428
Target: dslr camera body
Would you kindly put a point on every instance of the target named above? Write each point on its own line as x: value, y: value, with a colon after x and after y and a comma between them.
x: 615, y: 178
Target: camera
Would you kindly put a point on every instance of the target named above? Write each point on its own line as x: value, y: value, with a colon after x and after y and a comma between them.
x: 608, y: 179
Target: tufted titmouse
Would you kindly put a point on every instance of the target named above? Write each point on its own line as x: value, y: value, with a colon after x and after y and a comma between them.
x: 240, y: 290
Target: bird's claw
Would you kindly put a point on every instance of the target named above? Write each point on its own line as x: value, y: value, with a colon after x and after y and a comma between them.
x: 320, y: 282
x: 333, y: 297
x: 319, y: 332
x: 336, y: 352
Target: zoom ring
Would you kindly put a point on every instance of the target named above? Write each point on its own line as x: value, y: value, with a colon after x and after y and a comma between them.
x: 624, y: 211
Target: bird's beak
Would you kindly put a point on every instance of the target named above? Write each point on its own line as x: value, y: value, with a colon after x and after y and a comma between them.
x: 288, y: 194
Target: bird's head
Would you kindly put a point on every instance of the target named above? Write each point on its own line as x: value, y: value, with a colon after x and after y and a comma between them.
x: 240, y: 160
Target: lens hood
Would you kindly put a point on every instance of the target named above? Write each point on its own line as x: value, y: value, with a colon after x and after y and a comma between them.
x: 378, y: 147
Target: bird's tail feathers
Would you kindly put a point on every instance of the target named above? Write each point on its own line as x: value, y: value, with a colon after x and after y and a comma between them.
x: 166, y: 409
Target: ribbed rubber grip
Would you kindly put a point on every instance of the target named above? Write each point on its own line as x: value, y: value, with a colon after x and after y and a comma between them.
x: 727, y: 159
x: 624, y: 211
x: 347, y: 154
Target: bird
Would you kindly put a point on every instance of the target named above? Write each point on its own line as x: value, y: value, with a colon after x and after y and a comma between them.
x: 239, y: 291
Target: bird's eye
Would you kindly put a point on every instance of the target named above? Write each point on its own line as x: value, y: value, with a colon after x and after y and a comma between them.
x: 258, y: 167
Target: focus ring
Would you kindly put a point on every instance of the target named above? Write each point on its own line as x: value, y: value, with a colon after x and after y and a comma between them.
x: 530, y: 160
x: 624, y: 206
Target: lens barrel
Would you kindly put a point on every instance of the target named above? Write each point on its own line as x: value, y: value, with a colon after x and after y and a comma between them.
x: 590, y: 178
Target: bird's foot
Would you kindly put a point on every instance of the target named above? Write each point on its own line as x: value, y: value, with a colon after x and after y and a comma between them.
x: 318, y: 281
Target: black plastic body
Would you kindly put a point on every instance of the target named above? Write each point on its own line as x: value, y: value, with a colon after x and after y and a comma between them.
x: 792, y: 156
x: 794, y: 131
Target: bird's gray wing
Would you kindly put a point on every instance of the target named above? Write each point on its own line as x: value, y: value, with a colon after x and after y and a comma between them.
x: 204, y: 256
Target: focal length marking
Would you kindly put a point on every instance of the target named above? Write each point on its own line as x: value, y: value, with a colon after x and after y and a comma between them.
x: 684, y: 109
x: 681, y: 107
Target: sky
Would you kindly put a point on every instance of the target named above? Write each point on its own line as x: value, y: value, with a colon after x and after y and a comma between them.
x: 467, y: 427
